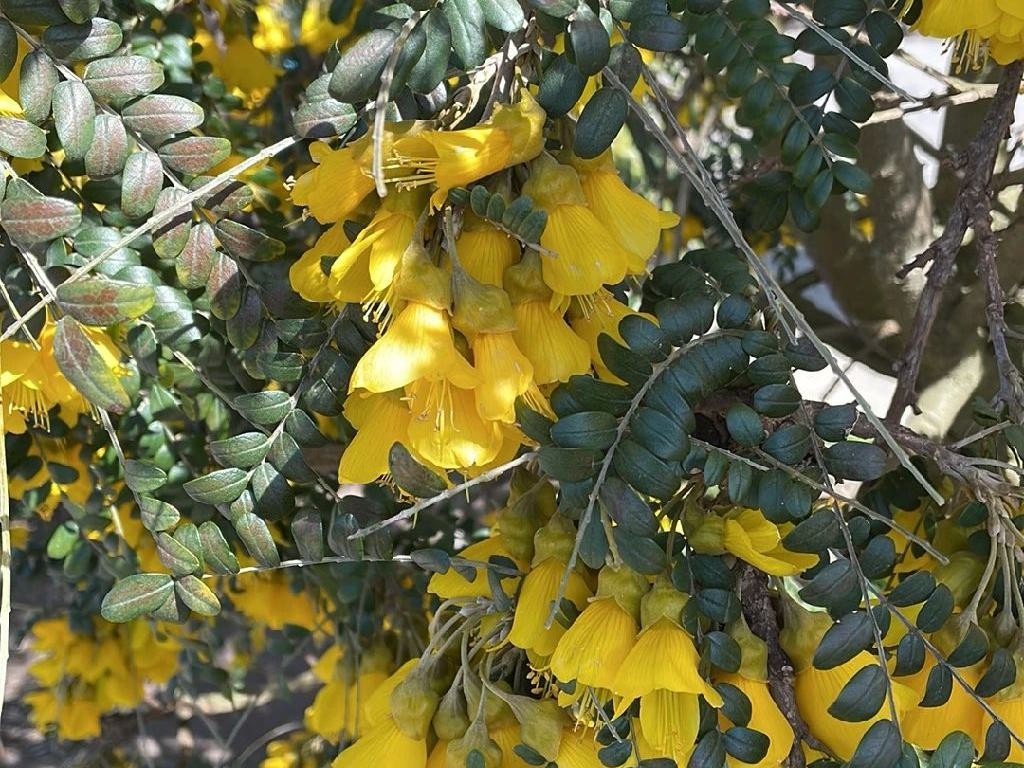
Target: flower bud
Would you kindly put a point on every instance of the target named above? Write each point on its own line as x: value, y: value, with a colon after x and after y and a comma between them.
x: 663, y: 601
x: 555, y: 540
x: 413, y: 703
x: 476, y: 738
x: 524, y: 282
x: 706, y: 534
x: 624, y: 585
x: 802, y: 632
x: 480, y: 308
x: 451, y: 721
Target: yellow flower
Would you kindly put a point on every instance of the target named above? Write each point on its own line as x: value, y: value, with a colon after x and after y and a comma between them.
x: 597, y: 314
x: 307, y: 275
x: 925, y: 727
x: 485, y: 252
x: 383, y: 745
x: 765, y: 717
x: 583, y: 253
x: 995, y: 25
x: 333, y: 190
x: 240, y: 64
x: 378, y: 248
x: 578, y: 749
x: 381, y: 421
x: 549, y: 343
x: 752, y: 538
x: 454, y: 584
x: 595, y: 646
x: 1008, y: 705
x: 553, y: 544
x: 339, y: 708
x: 514, y: 134
x: 268, y: 600
x: 661, y: 670
x: 78, y: 719
x: 417, y: 345
x: 318, y: 32
x: 273, y: 33
x: 446, y: 429
x: 31, y: 383
x: 634, y: 222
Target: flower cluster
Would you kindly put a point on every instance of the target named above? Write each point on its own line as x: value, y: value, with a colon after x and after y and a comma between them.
x: 83, y: 676
x: 995, y: 26
x: 471, y: 316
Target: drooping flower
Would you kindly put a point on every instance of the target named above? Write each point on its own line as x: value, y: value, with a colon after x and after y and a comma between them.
x: 514, y: 134
x: 483, y: 313
x: 590, y: 316
x: 542, y: 334
x: 635, y: 222
x: 485, y: 252
x: 339, y: 707
x: 318, y: 31
x: 244, y: 68
x: 582, y: 253
x: 446, y: 428
x: 553, y: 545
x: 309, y: 279
x: 661, y: 670
x: 595, y: 646
x: 381, y: 420
x: 995, y: 26
x: 765, y: 716
x: 927, y: 726
x: 333, y: 190
x: 748, y: 535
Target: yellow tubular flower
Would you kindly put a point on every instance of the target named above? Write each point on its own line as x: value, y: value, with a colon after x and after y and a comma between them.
x: 766, y: 718
x: 553, y: 545
x: 661, y: 670
x: 337, y: 185
x: 318, y: 32
x: 514, y: 134
x: 993, y: 25
x: 309, y: 280
x: 78, y: 719
x: 446, y: 428
x: 927, y: 726
x: 600, y: 313
x: 383, y: 744
x: 453, y: 584
x: 339, y: 708
x: 584, y: 255
x: 381, y: 420
x: 379, y: 246
x: 241, y: 65
x: 635, y: 223
x: 542, y: 334
x: 485, y: 252
x: 754, y: 539
x: 272, y: 34
x: 578, y: 749
x: 594, y: 647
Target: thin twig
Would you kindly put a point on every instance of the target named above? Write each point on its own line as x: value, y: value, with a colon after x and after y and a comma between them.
x: 5, y: 554
x: 978, y: 169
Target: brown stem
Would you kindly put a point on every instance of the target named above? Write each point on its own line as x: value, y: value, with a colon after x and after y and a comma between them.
x: 763, y: 620
x: 978, y: 169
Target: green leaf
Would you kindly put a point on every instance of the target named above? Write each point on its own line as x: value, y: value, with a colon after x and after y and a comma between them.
x: 357, y: 74
x: 63, y: 539
x: 308, y: 533
x: 83, y: 365
x: 789, y: 444
x: 972, y: 649
x: 956, y: 750
x: 881, y: 747
x: 937, y: 608
x: 244, y: 451
x: 587, y: 429
x: 286, y: 456
x: 852, y: 460
x: 600, y: 122
x: 91, y: 39
x: 74, y: 117
x: 913, y: 590
x: 938, y: 688
x: 161, y: 115
x: 158, y: 515
x: 626, y: 508
x: 119, y: 79
x: 216, y: 552
x: 109, y: 149
x: 815, y: 534
x: 432, y: 560
x: 136, y: 596
x: 169, y: 239
x: 646, y: 472
x: 862, y: 696
x: 141, y: 181
x: 721, y: 605
x: 31, y: 220
x: 219, y: 487
x: 411, y: 476
x: 243, y: 242
x: 809, y: 85
x: 264, y: 408
x: 79, y: 11
x: 176, y: 556
x: 745, y: 744
x: 561, y: 86
x: 39, y: 77
x: 469, y: 35
x: 195, y: 154
x: 142, y: 476
x: 662, y: 435
x: 103, y: 302
x: 197, y: 596
x: 588, y: 40
x: 20, y: 138
x: 640, y: 553
x: 8, y: 48
x: 255, y: 535
x: 776, y: 400
x: 195, y: 261
x: 658, y: 33
x: 846, y: 638
x: 508, y: 17
x: 271, y: 492
x: 1001, y: 673
x: 724, y: 652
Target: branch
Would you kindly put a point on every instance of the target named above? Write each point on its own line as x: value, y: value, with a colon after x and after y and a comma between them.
x: 978, y: 169
x: 763, y: 621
